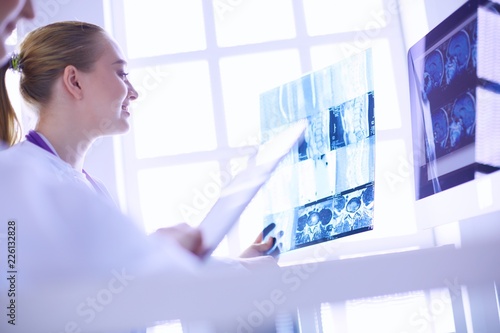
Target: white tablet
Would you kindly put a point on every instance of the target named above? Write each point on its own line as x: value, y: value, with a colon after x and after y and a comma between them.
x: 238, y: 193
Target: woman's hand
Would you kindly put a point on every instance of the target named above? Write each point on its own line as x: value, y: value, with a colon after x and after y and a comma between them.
x: 258, y: 254
x: 260, y: 248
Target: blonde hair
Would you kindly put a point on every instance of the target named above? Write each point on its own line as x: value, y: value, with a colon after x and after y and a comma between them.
x: 44, y: 54
x: 9, y: 125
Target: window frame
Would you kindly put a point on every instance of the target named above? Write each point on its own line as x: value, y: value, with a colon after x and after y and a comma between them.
x: 125, y: 146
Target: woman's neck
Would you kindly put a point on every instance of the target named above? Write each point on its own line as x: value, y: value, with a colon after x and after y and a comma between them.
x: 70, y: 144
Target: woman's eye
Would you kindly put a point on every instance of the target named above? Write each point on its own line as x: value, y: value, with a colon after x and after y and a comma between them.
x: 123, y: 75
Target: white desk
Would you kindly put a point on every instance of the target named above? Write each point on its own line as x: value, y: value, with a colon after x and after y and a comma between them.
x: 225, y: 300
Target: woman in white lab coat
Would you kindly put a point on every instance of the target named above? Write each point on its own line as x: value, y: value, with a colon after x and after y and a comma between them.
x: 75, y: 76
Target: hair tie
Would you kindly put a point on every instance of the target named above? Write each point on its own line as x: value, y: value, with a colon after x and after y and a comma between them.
x: 14, y: 62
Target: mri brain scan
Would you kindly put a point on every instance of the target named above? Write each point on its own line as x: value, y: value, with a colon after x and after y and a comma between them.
x: 440, y: 127
x: 434, y: 71
x: 457, y: 55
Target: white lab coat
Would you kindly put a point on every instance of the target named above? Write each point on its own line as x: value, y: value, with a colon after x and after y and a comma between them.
x: 65, y: 232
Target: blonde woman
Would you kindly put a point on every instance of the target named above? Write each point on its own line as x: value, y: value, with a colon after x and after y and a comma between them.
x: 75, y: 76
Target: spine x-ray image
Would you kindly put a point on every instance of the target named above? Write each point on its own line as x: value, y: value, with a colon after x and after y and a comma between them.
x: 325, y: 189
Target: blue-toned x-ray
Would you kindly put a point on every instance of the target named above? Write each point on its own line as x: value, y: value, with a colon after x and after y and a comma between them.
x: 453, y: 125
x: 434, y: 71
x: 443, y: 70
x: 324, y: 190
x: 448, y: 90
x: 458, y: 54
x: 341, y: 215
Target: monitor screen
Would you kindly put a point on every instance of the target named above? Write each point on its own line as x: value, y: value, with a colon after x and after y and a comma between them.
x: 452, y: 181
x: 443, y: 79
x: 324, y: 189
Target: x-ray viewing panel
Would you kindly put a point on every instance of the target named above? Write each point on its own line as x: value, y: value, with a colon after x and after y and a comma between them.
x: 450, y: 130
x: 324, y: 189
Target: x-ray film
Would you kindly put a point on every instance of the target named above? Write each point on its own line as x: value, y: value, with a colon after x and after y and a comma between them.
x: 448, y: 87
x: 453, y: 125
x: 325, y: 188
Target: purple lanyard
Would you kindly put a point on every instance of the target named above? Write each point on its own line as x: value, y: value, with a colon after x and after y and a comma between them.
x: 36, y: 139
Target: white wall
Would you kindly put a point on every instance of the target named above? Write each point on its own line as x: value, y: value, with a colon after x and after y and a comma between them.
x: 437, y: 11
x: 419, y: 17
x: 48, y: 11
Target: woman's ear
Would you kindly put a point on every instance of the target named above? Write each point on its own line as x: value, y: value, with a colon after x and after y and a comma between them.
x: 71, y: 81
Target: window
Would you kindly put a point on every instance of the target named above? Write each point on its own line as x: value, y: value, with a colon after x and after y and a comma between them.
x: 199, y: 67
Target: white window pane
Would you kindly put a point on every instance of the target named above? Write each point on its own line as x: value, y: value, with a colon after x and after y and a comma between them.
x: 387, y: 112
x: 155, y: 27
x: 256, y: 21
x: 416, y: 311
x: 176, y: 194
x: 334, y: 16
x: 174, y: 112
x: 174, y: 326
x: 394, y: 187
x: 244, y: 78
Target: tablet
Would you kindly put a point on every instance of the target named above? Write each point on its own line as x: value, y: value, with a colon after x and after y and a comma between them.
x: 238, y: 193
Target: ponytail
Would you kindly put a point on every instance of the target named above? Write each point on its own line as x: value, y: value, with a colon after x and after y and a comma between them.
x: 44, y: 53
x: 9, y: 125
